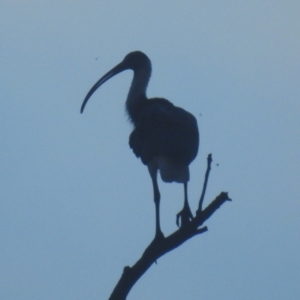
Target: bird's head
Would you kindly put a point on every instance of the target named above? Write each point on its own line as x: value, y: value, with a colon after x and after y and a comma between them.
x: 135, y: 61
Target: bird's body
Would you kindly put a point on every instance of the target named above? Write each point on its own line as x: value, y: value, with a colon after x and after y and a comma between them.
x: 166, y: 134
x: 165, y: 137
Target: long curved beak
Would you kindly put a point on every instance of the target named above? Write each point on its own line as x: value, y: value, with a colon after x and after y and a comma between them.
x: 114, y: 71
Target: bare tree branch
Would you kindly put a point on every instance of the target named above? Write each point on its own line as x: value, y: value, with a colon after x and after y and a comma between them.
x: 159, y: 247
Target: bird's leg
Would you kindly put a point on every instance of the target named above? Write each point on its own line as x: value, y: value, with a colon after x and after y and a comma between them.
x: 158, y: 232
x: 185, y: 215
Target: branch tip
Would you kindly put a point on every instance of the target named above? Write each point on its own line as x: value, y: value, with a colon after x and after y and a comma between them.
x: 225, y: 196
x: 209, y: 158
x: 201, y: 230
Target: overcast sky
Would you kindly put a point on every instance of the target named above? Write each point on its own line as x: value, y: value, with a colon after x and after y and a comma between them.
x: 76, y: 205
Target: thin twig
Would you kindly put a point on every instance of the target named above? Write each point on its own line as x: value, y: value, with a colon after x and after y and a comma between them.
x: 209, y: 161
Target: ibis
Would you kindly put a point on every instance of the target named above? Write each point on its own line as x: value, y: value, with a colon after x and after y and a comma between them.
x: 165, y: 137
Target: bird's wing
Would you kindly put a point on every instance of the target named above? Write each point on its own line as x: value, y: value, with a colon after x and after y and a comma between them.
x: 164, y: 129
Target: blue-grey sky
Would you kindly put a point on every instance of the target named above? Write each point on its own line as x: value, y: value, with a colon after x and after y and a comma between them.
x: 76, y: 204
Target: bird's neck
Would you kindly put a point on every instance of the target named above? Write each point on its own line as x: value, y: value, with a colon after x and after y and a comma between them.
x: 137, y: 91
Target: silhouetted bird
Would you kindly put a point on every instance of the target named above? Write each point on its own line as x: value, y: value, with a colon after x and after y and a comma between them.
x: 165, y: 137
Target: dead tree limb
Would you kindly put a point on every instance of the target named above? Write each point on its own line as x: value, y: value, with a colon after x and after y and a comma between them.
x: 159, y: 247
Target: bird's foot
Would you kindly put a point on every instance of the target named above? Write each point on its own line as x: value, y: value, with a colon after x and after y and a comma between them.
x: 185, y: 216
x: 158, y: 235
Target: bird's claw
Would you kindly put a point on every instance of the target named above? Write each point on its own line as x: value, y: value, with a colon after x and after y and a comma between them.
x: 185, y: 216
